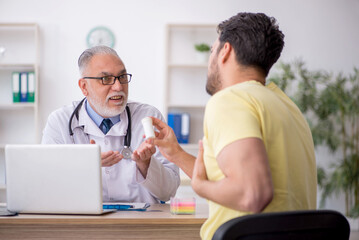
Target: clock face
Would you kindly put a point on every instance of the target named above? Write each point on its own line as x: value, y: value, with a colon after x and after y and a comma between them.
x: 100, y: 36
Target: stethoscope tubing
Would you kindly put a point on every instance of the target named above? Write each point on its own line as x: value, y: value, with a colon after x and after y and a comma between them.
x: 127, y: 141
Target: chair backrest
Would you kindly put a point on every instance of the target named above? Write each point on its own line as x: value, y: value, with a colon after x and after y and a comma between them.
x: 309, y: 224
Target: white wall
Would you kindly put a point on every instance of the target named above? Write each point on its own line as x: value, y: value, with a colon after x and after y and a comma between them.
x: 324, y: 33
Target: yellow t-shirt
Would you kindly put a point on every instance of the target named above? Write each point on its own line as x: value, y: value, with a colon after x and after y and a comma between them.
x: 250, y: 109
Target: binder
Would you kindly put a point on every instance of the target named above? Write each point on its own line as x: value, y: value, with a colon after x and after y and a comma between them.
x: 16, y: 87
x: 174, y: 121
x: 31, y: 87
x: 185, y: 128
x: 23, y: 87
x: 180, y: 123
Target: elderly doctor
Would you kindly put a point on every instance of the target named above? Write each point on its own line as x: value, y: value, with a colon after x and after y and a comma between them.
x: 105, y: 117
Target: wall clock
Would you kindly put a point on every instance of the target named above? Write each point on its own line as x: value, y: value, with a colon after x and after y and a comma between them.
x: 100, y: 36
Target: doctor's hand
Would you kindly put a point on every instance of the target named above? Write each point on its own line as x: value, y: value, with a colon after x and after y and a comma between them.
x: 142, y: 155
x: 109, y: 158
x: 166, y: 140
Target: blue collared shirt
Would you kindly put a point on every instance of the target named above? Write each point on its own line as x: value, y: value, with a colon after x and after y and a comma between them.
x: 97, y: 118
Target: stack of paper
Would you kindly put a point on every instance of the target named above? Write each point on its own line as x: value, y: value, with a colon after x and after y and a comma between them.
x: 183, y: 205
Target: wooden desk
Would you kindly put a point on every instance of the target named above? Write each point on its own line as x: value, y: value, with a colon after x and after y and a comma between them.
x: 155, y: 223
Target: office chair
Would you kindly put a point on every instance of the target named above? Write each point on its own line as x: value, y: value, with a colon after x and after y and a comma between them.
x: 293, y: 225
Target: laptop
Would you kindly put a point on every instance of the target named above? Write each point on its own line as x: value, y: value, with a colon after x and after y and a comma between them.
x: 54, y: 179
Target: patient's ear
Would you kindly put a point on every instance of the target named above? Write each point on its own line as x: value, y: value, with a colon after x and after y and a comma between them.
x: 83, y: 86
x: 225, y: 52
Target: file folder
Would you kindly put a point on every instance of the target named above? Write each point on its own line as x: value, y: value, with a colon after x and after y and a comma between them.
x: 16, y: 87
x: 120, y: 206
x: 117, y: 206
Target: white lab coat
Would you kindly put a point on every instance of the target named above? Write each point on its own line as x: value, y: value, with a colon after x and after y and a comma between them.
x: 122, y: 181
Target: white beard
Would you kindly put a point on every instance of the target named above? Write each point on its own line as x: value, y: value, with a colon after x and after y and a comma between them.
x: 103, y: 110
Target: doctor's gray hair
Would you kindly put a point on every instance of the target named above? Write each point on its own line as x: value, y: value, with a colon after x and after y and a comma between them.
x: 86, y: 56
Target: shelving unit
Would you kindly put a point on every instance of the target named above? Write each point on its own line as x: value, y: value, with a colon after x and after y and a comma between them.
x: 186, y: 77
x: 18, y: 121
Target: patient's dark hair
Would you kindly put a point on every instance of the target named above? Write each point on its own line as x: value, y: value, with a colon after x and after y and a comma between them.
x: 255, y: 38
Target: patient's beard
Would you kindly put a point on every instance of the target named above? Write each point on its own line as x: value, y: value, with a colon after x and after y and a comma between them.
x: 214, y: 83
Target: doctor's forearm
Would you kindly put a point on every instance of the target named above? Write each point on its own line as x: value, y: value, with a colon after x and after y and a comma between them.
x: 162, y: 179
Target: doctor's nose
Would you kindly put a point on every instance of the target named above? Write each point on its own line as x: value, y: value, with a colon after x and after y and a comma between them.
x: 117, y: 86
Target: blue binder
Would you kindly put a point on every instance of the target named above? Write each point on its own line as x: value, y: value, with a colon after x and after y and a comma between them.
x: 23, y: 87
x: 179, y: 122
x: 174, y: 121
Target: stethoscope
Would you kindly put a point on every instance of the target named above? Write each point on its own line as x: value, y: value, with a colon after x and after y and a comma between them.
x: 126, y: 151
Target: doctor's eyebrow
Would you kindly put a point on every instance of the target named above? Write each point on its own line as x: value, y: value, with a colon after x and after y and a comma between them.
x: 123, y: 71
x: 110, y: 74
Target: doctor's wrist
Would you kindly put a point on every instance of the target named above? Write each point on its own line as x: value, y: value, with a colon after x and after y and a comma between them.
x: 143, y: 166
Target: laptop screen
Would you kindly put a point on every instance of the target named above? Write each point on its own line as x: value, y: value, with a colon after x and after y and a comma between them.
x: 54, y: 178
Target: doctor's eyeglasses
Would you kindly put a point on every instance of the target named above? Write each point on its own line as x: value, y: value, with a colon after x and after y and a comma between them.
x: 110, y: 80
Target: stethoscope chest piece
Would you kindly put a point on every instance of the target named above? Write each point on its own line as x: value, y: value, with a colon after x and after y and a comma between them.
x: 126, y: 152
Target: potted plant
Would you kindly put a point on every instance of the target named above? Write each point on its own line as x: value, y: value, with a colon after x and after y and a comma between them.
x: 331, y: 106
x: 202, y: 50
